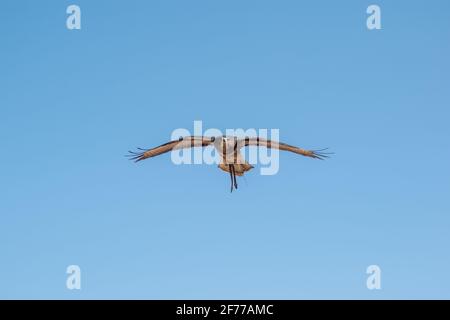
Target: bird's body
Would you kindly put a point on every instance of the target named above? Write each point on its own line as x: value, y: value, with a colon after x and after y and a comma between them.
x: 230, y: 155
x: 228, y: 148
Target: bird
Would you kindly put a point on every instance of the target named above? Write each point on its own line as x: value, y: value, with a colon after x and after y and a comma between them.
x: 228, y: 147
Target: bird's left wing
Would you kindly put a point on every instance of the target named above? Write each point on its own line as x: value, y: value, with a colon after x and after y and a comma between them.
x: 260, y: 142
x: 182, y: 143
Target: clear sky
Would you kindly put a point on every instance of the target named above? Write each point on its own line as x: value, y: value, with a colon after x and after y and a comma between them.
x: 73, y: 102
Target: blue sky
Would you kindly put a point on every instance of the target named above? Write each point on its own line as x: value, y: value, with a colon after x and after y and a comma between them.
x: 73, y: 102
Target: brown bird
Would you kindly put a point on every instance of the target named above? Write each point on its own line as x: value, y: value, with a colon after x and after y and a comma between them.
x: 228, y: 148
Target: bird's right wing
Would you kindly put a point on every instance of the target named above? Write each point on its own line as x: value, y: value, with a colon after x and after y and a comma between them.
x: 185, y: 142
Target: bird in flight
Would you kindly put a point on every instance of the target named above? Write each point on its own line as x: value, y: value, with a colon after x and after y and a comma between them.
x: 228, y: 148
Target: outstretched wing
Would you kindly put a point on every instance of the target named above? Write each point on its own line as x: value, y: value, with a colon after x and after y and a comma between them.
x: 182, y: 143
x: 259, y: 142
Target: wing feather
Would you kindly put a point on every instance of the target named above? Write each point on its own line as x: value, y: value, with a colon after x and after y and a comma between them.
x: 259, y: 142
x: 182, y: 143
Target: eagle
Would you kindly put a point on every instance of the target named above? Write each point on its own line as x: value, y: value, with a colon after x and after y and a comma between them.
x: 228, y: 148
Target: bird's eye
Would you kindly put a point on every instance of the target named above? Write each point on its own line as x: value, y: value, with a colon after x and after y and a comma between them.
x: 180, y: 138
x: 213, y: 139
